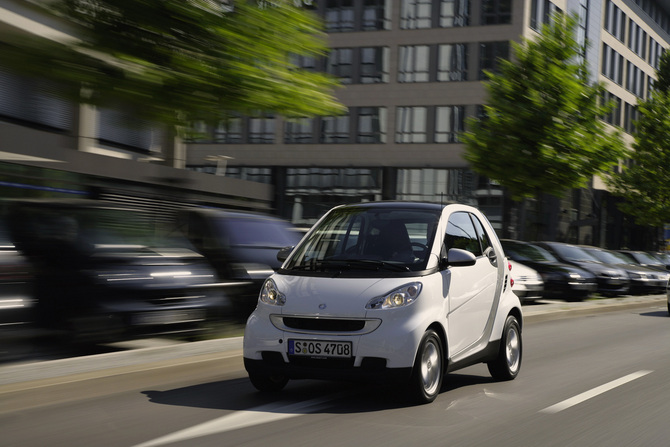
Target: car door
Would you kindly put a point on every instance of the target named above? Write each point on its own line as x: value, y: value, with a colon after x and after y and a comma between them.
x: 471, y: 289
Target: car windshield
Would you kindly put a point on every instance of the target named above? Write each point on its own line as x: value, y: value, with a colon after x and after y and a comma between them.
x: 393, y: 239
x: 572, y: 253
x: 644, y: 258
x: 527, y: 252
x: 605, y: 256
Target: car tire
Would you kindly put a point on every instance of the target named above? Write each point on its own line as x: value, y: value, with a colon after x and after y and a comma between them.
x: 507, y: 364
x: 266, y: 382
x: 428, y: 371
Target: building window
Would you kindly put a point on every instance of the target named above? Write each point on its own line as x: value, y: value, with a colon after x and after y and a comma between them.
x: 229, y: 131
x: 614, y: 117
x: 454, y: 13
x: 436, y: 185
x: 631, y: 115
x: 374, y: 65
x: 299, y: 131
x: 490, y: 54
x: 452, y: 63
x: 416, y: 14
x: 540, y: 13
x: 304, y: 62
x: 583, y: 26
x: 411, y: 123
x: 449, y: 123
x: 34, y: 102
x: 339, y: 64
x: 262, y: 130
x: 635, y: 80
x: 339, y: 16
x: 371, y: 125
x: 376, y: 15
x: 413, y: 63
x: 612, y: 64
x: 334, y: 129
x: 496, y: 12
x: 615, y: 20
x: 637, y: 39
x: 655, y: 52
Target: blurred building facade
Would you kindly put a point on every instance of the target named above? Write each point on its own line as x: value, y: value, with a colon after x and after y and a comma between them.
x: 50, y: 147
x: 412, y: 72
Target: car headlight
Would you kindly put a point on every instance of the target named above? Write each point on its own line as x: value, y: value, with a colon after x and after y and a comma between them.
x: 402, y: 296
x: 271, y: 295
x: 574, y: 275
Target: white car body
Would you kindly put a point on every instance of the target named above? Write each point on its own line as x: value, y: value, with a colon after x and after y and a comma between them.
x: 528, y: 284
x: 468, y: 307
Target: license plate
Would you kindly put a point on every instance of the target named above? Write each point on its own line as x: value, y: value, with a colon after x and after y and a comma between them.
x: 168, y: 317
x: 312, y: 348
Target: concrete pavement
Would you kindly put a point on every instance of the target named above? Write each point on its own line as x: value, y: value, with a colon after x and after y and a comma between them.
x: 44, y: 373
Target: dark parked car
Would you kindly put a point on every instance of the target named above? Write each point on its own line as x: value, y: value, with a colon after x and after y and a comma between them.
x: 612, y: 280
x: 242, y: 247
x: 642, y: 279
x: 560, y: 280
x: 16, y: 285
x: 645, y: 259
x: 104, y: 273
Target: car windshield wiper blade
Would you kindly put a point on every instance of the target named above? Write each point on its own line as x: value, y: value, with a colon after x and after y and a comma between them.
x: 339, y: 264
x: 373, y: 264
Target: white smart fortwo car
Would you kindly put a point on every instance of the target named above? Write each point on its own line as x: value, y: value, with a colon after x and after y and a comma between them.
x: 387, y: 291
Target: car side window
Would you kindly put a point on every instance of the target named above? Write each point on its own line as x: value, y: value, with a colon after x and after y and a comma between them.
x: 484, y: 239
x: 461, y: 234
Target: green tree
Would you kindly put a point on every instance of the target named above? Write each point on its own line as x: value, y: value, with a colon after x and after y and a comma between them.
x: 645, y: 182
x: 542, y: 130
x: 177, y: 61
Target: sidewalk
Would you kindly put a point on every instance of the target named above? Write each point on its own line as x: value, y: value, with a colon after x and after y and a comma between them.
x: 52, y: 369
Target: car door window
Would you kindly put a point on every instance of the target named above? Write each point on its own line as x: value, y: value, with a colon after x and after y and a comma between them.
x: 461, y: 234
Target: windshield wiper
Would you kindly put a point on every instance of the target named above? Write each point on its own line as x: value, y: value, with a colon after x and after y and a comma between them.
x: 340, y: 264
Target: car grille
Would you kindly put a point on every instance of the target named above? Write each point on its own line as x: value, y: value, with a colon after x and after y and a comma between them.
x: 324, y: 325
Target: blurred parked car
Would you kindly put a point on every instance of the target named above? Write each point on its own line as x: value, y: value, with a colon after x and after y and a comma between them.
x: 642, y: 279
x: 612, y: 280
x: 561, y: 280
x: 242, y: 247
x: 104, y: 273
x: 16, y: 284
x: 644, y: 259
x: 528, y: 284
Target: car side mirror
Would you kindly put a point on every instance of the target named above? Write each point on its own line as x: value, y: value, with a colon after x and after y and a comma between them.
x: 457, y: 257
x: 282, y: 254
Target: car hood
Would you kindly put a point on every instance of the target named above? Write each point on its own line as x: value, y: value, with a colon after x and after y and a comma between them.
x: 333, y: 297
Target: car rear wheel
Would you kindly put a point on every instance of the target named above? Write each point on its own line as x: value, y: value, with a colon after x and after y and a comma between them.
x: 268, y: 382
x: 508, y: 363
x: 428, y: 370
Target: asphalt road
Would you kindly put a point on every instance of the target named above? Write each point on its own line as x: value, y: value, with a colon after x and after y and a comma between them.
x: 592, y: 375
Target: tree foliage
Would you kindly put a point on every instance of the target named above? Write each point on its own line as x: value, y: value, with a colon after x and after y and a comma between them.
x: 177, y: 61
x: 542, y: 130
x: 645, y: 182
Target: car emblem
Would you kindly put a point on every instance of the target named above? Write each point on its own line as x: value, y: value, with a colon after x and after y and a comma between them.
x: 322, y: 306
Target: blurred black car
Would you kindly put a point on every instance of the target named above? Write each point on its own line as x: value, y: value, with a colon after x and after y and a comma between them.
x: 612, y: 280
x: 642, y: 279
x: 104, y: 273
x: 16, y: 284
x: 561, y: 280
x: 644, y: 259
x: 242, y: 247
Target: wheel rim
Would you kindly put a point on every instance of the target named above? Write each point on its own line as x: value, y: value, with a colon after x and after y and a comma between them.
x: 431, y: 368
x: 513, y: 350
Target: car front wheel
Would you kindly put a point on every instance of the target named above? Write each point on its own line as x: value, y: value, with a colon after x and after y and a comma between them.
x: 428, y: 370
x: 508, y: 363
x: 268, y: 382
